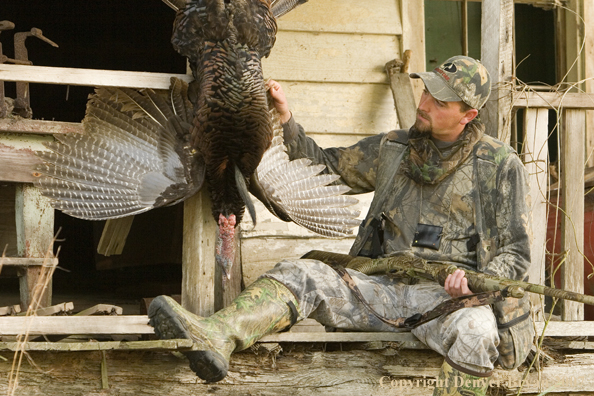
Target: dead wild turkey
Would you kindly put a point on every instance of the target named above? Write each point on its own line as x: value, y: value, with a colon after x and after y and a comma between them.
x: 144, y: 149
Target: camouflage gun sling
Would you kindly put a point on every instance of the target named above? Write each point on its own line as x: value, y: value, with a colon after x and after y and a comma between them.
x: 416, y: 267
x: 339, y: 261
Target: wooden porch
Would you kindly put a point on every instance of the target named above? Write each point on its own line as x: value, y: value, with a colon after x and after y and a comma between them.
x: 305, y: 360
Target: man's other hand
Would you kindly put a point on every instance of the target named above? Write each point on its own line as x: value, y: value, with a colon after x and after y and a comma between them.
x: 456, y: 284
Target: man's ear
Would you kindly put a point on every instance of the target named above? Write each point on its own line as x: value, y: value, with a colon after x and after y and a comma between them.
x: 469, y: 115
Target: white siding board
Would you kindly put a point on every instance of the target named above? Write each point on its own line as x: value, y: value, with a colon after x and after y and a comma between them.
x: 352, y: 16
x: 261, y: 254
x: 336, y: 57
x: 364, y: 109
x: 329, y: 57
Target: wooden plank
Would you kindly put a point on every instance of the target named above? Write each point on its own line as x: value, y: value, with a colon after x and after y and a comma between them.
x: 17, y: 156
x: 104, y: 309
x: 88, y: 77
x: 346, y: 16
x: 572, y: 204
x: 113, y: 236
x: 263, y: 253
x: 553, y: 100
x: 331, y: 57
x: 199, y: 274
x: 153, y: 345
x: 566, y: 329
x: 21, y: 125
x: 299, y: 372
x: 589, y: 75
x: 365, y: 109
x: 402, y: 91
x: 331, y: 139
x: 54, y: 309
x: 28, y: 261
x: 10, y: 310
x: 69, y: 325
x: 35, y: 233
x: 572, y: 37
x: 497, y: 56
x: 138, y: 324
x: 536, y: 150
x: 413, y: 39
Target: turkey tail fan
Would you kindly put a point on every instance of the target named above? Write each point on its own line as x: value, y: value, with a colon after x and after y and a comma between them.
x: 281, y: 7
x: 131, y: 158
x: 296, y: 191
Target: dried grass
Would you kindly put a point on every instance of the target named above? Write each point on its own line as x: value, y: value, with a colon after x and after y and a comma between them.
x: 45, y: 277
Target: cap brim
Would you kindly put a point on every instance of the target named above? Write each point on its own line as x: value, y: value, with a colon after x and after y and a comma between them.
x: 437, y: 87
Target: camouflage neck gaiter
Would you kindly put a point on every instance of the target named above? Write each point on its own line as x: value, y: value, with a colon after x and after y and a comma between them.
x: 424, y: 163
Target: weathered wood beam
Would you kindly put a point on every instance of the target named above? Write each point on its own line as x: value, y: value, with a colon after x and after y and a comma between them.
x: 413, y: 39
x: 589, y: 76
x: 536, y: 149
x: 300, y: 373
x: 402, y: 90
x: 35, y: 234
x: 138, y: 324
x: 21, y: 125
x: 87, y: 77
x: 572, y: 203
x: 497, y: 56
x: 154, y: 345
x: 553, y: 100
x: 199, y: 272
x: 28, y: 261
x: 17, y: 157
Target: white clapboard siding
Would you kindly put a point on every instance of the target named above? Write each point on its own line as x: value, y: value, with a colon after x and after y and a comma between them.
x: 358, y: 109
x: 330, y: 58
x: 350, y: 16
x: 273, y: 240
x: 337, y: 57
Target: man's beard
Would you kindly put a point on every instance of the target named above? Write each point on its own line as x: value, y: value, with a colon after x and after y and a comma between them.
x: 423, y: 127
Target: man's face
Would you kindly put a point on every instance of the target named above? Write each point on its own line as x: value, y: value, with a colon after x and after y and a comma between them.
x: 445, y: 120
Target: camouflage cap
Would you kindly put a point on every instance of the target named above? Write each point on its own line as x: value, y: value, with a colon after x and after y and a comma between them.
x: 458, y: 78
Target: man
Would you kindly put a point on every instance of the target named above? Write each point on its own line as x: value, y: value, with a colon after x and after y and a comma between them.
x: 444, y: 192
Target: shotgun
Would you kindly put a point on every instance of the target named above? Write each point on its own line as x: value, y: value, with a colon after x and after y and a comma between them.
x: 416, y: 267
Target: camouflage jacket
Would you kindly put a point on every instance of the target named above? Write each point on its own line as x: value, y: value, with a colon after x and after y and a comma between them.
x: 494, y: 239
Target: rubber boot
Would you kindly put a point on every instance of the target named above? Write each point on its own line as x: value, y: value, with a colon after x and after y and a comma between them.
x: 265, y: 307
x: 460, y: 382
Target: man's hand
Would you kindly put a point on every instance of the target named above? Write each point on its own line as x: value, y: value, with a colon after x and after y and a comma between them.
x: 280, y: 100
x: 456, y: 284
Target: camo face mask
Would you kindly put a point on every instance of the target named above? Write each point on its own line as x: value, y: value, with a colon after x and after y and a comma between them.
x: 424, y: 163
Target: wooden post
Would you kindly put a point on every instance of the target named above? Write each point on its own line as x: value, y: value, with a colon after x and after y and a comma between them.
x: 402, y: 91
x: 198, y: 260
x: 572, y: 202
x: 589, y: 76
x: 536, y: 150
x: 35, y: 231
x: 496, y: 55
x: 413, y: 38
x: 203, y: 292
x: 569, y: 42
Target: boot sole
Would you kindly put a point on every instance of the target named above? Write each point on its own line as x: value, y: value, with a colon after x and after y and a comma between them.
x: 210, y: 366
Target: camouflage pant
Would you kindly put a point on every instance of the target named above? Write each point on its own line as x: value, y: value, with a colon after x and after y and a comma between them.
x: 468, y: 336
